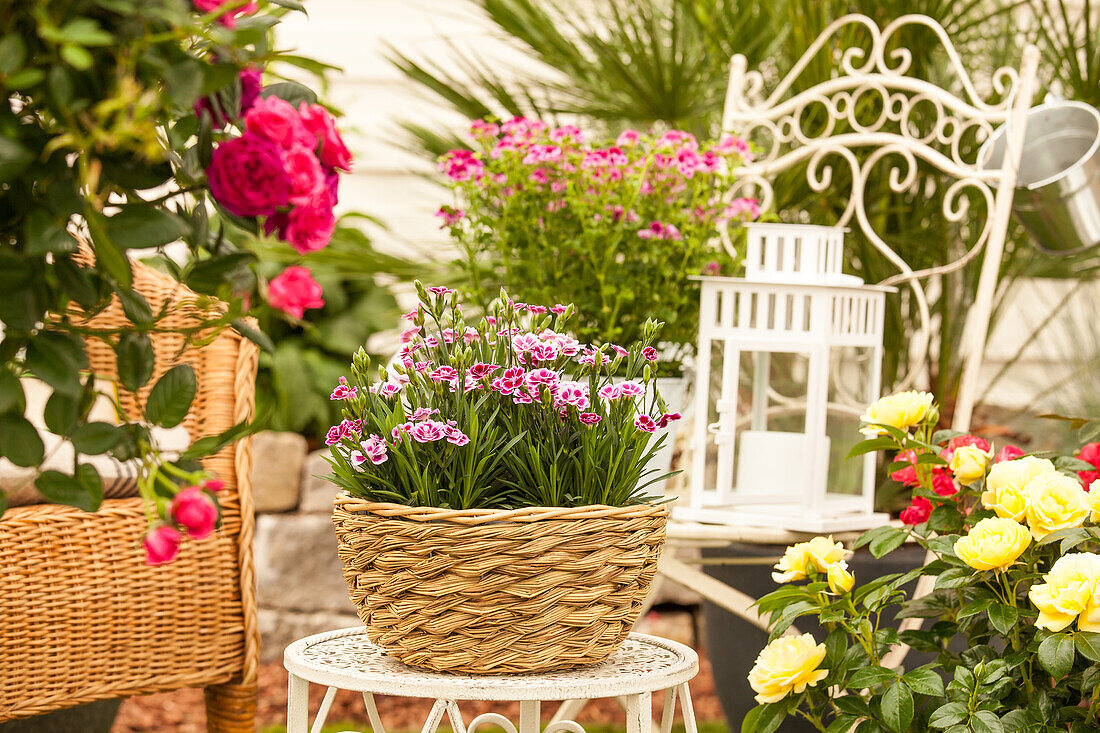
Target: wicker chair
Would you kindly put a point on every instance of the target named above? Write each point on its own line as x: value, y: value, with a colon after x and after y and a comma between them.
x: 83, y: 618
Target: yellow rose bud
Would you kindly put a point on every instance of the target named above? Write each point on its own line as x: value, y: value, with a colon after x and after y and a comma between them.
x: 1004, y: 488
x: 841, y: 579
x: 1055, y: 501
x: 817, y: 554
x: 993, y: 544
x: 902, y: 411
x: 969, y: 462
x: 787, y: 665
x: 1071, y: 591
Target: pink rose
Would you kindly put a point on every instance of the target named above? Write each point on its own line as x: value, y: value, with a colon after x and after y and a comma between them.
x: 310, y: 226
x: 295, y: 290
x: 919, y: 511
x: 943, y: 484
x: 307, y: 180
x: 1008, y: 453
x: 162, y: 545
x: 193, y: 510
x: 247, y: 177
x: 213, y: 484
x: 322, y: 125
x: 228, y: 18
x: 278, y: 121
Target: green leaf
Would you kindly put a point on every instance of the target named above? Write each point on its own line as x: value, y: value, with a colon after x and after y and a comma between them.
x: 61, y: 413
x: 209, y: 274
x: 924, y: 681
x: 94, y: 438
x: 84, y: 32
x: 61, y: 488
x: 14, y: 159
x: 1088, y: 644
x: 897, y: 707
x: 135, y: 307
x: 142, y: 226
x: 254, y: 335
x: 291, y: 5
x: 11, y: 392
x: 109, y: 256
x: 763, y: 718
x: 954, y: 578
x: 135, y: 357
x: 76, y: 57
x: 211, y: 444
x: 942, y: 436
x: 44, y: 234
x: 1003, y: 618
x: 888, y: 542
x: 170, y: 399
x: 871, y: 676
x: 870, y: 535
x: 20, y: 442
x: 871, y: 445
x: 1056, y: 655
x: 89, y: 479
x: 290, y: 91
x: 1068, y: 463
x: 57, y: 358
x: 948, y: 715
x: 13, y: 53
x: 985, y: 721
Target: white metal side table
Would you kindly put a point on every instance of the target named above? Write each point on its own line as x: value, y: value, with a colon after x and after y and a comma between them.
x: 347, y: 660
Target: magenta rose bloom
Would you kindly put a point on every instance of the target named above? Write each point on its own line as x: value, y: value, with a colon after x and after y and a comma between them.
x: 295, y: 290
x: 195, y: 512
x: 307, y: 180
x: 247, y: 176
x: 334, y: 153
x: 311, y: 225
x: 249, y: 80
x: 228, y: 18
x: 162, y: 545
x: 278, y: 121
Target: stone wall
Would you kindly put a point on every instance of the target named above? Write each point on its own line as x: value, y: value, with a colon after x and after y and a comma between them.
x: 298, y: 576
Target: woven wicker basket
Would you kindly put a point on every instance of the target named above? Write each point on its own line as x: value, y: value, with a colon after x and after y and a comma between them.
x: 483, y: 591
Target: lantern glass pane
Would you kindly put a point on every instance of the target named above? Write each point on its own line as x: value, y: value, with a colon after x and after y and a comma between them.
x: 850, y: 391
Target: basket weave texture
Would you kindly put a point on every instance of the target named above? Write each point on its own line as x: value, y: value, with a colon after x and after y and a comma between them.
x: 84, y: 618
x: 482, y: 591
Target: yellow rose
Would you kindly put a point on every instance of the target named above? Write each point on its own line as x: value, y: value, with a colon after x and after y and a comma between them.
x: 993, y: 544
x: 841, y: 579
x: 1094, y: 500
x: 787, y: 665
x: 1055, y: 501
x: 817, y: 554
x: 1071, y: 591
x: 969, y: 462
x: 902, y: 410
x: 1004, y: 488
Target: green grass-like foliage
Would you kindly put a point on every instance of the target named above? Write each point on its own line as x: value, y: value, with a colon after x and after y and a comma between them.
x: 507, y: 412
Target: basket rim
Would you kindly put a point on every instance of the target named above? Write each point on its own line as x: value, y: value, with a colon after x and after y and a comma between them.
x: 388, y: 510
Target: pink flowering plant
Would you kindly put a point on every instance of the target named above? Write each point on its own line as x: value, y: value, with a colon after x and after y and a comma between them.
x: 615, y: 227
x: 506, y: 411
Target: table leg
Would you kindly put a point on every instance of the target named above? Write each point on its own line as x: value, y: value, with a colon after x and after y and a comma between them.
x: 669, y: 710
x: 435, y: 717
x: 372, y: 714
x: 297, y: 705
x: 687, y: 709
x: 529, y: 716
x: 568, y: 710
x: 639, y: 713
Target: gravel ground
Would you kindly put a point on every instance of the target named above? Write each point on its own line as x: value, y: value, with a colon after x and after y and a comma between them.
x: 182, y: 711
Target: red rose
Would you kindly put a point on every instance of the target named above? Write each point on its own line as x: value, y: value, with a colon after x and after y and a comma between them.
x: 278, y: 121
x: 1008, y: 453
x: 917, y: 512
x: 310, y: 226
x: 1090, y: 453
x: 162, y: 545
x: 907, y: 475
x: 193, y: 510
x: 294, y: 291
x: 247, y: 177
x: 943, y: 484
x: 307, y: 180
x: 318, y: 121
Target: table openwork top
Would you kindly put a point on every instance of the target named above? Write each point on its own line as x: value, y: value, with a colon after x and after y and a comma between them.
x: 348, y: 660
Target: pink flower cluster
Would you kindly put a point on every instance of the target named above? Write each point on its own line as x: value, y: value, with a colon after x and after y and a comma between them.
x: 427, y: 430
x: 284, y: 167
x: 346, y: 429
x: 374, y: 450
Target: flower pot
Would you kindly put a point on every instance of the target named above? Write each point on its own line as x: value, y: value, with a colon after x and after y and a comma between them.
x: 486, y: 591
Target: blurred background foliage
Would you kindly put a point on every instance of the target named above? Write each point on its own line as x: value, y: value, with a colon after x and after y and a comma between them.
x: 612, y: 64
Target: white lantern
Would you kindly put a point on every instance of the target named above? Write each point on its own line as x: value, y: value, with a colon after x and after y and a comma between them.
x: 789, y: 356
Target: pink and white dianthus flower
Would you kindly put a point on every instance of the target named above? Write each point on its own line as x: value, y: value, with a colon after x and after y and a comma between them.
x: 409, y: 334
x: 631, y: 389
x: 666, y: 418
x: 525, y: 342
x: 610, y: 392
x: 400, y: 431
x: 572, y: 393
x: 428, y: 431
x: 649, y: 353
x: 619, y: 351
x: 375, y: 450
x: 470, y: 335
x: 645, y: 423
x: 627, y: 138
x: 558, y: 309
x: 422, y: 413
x: 542, y: 376
x: 343, y: 392
x: 455, y: 436
x: 590, y: 418
x: 545, y: 351
x: 444, y: 373
x: 482, y: 369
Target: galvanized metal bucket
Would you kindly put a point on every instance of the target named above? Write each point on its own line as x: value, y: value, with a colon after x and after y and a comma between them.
x: 1058, y: 186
